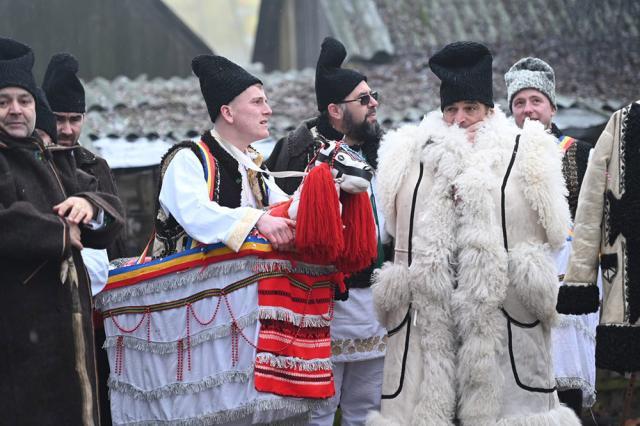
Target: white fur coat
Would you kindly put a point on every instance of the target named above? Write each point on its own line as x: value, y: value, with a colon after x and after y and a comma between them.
x: 461, y: 282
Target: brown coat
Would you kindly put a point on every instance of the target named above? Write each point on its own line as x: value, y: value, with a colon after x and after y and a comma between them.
x: 47, y: 357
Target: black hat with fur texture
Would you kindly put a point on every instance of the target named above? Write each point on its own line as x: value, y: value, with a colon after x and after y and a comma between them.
x: 16, y: 62
x: 220, y: 81
x: 464, y: 68
x: 334, y: 83
x: 62, y: 86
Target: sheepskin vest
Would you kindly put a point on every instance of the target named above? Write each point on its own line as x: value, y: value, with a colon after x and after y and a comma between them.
x: 469, y: 302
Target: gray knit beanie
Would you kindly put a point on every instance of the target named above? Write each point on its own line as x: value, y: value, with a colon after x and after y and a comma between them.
x: 531, y: 73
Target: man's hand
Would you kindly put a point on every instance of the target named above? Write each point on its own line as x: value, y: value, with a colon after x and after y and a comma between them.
x: 76, y: 210
x: 472, y: 130
x: 278, y: 230
x: 75, y: 235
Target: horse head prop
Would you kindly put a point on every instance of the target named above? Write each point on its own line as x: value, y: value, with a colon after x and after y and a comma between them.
x: 335, y: 222
x: 349, y: 170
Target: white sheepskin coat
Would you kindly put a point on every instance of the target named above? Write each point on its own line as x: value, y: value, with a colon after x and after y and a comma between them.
x: 461, y: 282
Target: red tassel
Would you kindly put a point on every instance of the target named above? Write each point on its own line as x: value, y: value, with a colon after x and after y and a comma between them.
x: 319, y: 235
x: 360, y: 237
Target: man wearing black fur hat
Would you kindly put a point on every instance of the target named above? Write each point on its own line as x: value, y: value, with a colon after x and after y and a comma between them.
x: 238, y: 107
x: 347, y: 108
x: 225, y: 208
x: 474, y: 204
x: 65, y: 94
x: 48, y: 213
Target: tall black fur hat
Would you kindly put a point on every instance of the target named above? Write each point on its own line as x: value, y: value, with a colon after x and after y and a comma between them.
x: 62, y: 85
x: 220, y: 81
x: 334, y: 83
x: 464, y: 68
x: 16, y: 62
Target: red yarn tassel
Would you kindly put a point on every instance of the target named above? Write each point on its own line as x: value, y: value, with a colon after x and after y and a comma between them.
x: 360, y: 237
x: 319, y: 235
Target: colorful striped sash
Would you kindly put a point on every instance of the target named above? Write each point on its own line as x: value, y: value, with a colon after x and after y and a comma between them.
x: 209, y: 168
x: 565, y: 143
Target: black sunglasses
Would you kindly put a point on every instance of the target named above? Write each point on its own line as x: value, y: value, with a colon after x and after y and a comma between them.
x: 364, y: 99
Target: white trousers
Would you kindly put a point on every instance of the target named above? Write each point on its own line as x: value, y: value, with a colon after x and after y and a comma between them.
x: 358, y: 389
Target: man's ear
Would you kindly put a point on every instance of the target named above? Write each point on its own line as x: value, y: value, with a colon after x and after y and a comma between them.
x: 226, y: 113
x: 335, y: 111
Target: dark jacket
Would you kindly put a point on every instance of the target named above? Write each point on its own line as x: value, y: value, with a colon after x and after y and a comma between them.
x: 574, y: 166
x: 98, y: 167
x: 47, y: 364
x: 293, y: 152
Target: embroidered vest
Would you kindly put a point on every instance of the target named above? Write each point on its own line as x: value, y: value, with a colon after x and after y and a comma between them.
x: 224, y: 183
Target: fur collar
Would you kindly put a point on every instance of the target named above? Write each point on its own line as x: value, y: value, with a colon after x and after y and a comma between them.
x: 538, y: 162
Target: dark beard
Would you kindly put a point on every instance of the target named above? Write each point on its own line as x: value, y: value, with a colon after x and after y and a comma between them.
x: 369, y: 134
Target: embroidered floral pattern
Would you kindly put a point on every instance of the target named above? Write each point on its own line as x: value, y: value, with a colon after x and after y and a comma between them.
x: 352, y: 346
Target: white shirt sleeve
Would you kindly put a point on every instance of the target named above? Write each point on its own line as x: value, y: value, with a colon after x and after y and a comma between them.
x: 97, y: 264
x: 97, y: 223
x: 184, y: 195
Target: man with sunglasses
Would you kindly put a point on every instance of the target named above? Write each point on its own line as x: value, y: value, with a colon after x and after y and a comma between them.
x: 347, y: 107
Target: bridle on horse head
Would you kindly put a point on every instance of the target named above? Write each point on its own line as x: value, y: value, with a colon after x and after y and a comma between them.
x: 339, y: 151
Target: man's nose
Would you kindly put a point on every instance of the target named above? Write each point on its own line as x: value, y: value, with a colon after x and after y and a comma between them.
x: 65, y: 127
x: 14, y: 107
x: 459, y: 117
x: 373, y: 102
x: 268, y: 110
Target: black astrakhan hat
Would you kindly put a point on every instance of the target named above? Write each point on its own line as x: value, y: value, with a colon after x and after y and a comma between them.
x: 464, y: 68
x: 16, y: 62
x: 45, y: 118
x: 334, y: 83
x: 220, y: 81
x: 62, y: 85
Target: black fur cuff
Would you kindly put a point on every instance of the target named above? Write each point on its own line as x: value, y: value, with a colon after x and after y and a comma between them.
x: 578, y: 299
x: 617, y: 348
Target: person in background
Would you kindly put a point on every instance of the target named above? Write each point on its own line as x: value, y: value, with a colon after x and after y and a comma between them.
x: 532, y: 96
x: 347, y: 107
